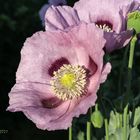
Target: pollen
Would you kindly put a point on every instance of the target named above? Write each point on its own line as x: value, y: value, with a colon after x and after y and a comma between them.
x: 69, y: 82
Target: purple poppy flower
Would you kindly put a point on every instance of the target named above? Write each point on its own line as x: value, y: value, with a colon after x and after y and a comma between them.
x: 59, y: 75
x: 110, y: 16
x: 46, y: 6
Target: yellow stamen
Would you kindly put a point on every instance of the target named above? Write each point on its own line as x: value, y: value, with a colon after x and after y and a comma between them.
x: 69, y: 82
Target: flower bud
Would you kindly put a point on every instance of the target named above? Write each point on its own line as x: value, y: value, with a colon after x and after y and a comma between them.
x: 97, y: 119
x: 133, y: 21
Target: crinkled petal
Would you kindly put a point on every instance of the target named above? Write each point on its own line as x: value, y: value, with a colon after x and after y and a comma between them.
x: 89, y: 35
x: 41, y: 54
x: 116, y: 41
x: 44, y: 8
x: 28, y: 97
x: 60, y: 18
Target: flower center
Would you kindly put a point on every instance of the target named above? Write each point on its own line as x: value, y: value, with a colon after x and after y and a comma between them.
x: 69, y: 82
x: 104, y: 25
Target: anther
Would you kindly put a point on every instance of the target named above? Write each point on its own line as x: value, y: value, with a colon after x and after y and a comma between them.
x: 69, y: 82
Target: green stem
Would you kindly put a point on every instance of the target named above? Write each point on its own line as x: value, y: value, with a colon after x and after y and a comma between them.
x: 125, y: 123
x: 131, y: 54
x: 128, y: 90
x: 121, y: 120
x: 96, y: 107
x: 130, y: 65
x: 70, y: 133
x: 88, y: 130
x: 89, y: 126
x: 106, y: 130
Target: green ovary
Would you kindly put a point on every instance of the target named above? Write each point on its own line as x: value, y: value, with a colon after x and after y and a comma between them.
x: 68, y: 80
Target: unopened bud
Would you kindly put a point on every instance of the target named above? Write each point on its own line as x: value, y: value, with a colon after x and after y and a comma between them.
x: 133, y: 21
x: 97, y: 119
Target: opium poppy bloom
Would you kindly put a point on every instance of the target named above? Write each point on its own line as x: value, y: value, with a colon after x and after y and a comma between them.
x: 59, y: 75
x: 111, y: 17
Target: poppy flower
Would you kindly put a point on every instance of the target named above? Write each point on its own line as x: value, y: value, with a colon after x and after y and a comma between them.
x: 108, y: 15
x: 59, y: 75
x: 46, y: 6
x: 111, y: 17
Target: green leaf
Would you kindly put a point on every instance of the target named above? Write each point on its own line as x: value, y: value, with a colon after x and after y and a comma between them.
x: 117, y: 135
x: 134, y: 134
x: 81, y: 135
x: 115, y: 122
x: 116, y: 128
x: 134, y: 21
x: 137, y: 117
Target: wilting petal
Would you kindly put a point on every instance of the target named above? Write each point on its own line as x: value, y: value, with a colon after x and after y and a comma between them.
x: 60, y: 18
x: 116, y: 41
